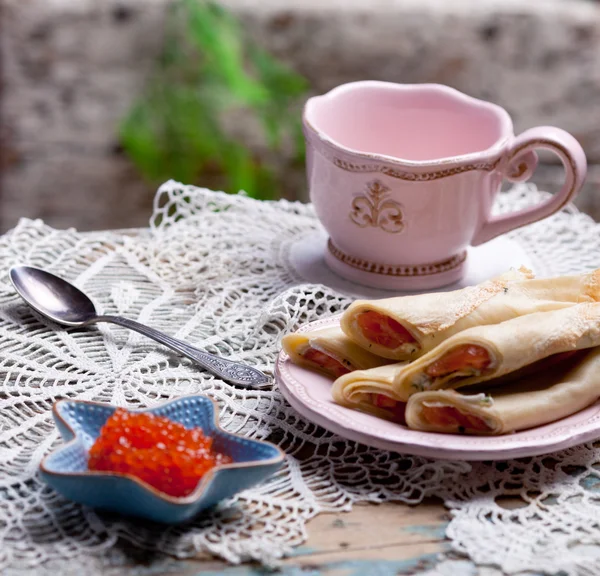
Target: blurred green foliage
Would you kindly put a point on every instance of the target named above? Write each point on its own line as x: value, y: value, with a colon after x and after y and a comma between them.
x: 209, y: 68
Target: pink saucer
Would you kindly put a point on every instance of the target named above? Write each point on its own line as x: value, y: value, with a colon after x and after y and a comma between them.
x: 309, y: 393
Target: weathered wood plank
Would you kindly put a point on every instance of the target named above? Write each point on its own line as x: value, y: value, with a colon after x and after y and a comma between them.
x: 392, y: 560
x: 372, y: 525
x: 382, y: 560
x: 389, y: 538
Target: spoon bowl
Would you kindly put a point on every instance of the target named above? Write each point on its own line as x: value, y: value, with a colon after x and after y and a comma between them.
x: 52, y: 296
x: 65, y: 304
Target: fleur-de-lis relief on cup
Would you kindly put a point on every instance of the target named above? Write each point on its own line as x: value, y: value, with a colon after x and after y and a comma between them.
x: 403, y: 178
x: 373, y: 209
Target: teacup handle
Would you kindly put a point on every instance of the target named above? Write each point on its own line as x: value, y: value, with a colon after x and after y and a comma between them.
x: 521, y: 163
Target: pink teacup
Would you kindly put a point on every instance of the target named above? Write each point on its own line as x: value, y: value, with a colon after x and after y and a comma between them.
x: 403, y: 178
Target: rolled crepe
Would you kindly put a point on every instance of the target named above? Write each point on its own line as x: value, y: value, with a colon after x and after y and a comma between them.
x: 407, y: 327
x: 536, y: 400
x: 483, y: 353
x: 373, y: 396
x: 512, y: 347
x: 329, y: 351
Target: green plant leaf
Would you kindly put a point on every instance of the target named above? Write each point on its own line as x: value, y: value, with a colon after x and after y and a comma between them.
x: 208, y: 68
x: 218, y: 35
x: 281, y: 82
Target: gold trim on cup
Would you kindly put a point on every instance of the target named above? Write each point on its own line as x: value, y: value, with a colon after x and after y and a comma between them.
x: 398, y: 270
x: 415, y: 176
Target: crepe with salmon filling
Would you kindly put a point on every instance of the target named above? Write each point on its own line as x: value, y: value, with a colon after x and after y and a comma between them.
x: 330, y: 351
x: 374, y: 397
x: 548, y: 396
x: 407, y: 327
x: 483, y: 353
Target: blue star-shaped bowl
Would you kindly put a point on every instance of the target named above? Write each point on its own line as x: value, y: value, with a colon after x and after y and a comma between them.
x: 79, y: 423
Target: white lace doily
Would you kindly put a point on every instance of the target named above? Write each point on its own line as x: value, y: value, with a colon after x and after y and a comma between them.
x: 215, y: 270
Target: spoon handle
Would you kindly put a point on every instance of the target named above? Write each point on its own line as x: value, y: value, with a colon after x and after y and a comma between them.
x: 234, y: 372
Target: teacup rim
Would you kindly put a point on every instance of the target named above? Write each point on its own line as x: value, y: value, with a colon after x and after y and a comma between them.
x: 507, y: 129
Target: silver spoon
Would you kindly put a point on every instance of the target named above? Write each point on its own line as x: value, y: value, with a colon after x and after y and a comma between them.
x: 65, y: 304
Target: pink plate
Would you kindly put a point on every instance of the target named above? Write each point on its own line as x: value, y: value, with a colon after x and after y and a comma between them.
x: 309, y: 393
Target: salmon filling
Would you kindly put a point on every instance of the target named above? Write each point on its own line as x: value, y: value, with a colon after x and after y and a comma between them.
x: 458, y: 359
x: 397, y: 409
x: 383, y: 330
x: 326, y: 363
x: 451, y: 417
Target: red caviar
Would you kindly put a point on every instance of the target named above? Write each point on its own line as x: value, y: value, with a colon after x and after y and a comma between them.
x: 162, y: 453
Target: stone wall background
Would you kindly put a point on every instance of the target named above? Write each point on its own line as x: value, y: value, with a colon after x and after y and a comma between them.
x: 71, y: 68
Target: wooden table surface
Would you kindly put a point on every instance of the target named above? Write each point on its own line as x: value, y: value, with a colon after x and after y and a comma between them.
x: 373, y: 539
